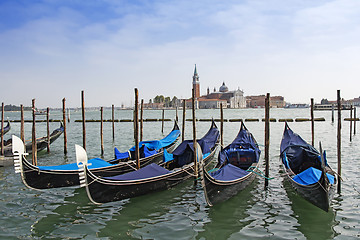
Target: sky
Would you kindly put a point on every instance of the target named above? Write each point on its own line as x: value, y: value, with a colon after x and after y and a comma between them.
x: 54, y: 49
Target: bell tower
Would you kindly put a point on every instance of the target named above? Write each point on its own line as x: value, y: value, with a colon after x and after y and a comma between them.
x: 196, y: 83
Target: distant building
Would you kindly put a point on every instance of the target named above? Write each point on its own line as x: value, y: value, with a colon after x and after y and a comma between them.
x: 206, y: 103
x: 329, y: 105
x: 356, y: 101
x: 277, y: 102
x: 196, y: 84
x: 255, y: 101
x: 259, y: 101
x: 154, y: 105
x: 224, y: 97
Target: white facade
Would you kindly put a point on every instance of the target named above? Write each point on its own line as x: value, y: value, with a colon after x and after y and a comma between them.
x: 237, y: 100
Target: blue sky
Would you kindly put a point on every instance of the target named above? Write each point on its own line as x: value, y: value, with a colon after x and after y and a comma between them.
x: 300, y: 49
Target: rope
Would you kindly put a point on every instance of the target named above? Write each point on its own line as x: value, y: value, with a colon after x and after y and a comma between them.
x: 261, y: 174
x: 191, y: 174
x: 213, y: 170
x: 127, y: 163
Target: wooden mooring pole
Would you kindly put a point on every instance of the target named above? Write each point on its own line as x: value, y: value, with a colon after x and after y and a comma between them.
x: 113, y: 120
x: 162, y: 124
x: 2, y: 129
x: 176, y: 114
x: 64, y: 124
x: 183, y: 121
x: 68, y: 115
x: 267, y: 137
x: 83, y: 118
x: 33, y: 138
x: 48, y: 129
x: 194, y: 135
x: 141, y: 119
x: 312, y: 121
x: 339, y: 140
x: 354, y: 120
x: 351, y: 121
x: 221, y: 126
x: 136, y: 129
x: 102, y: 130
x: 22, y: 129
x: 332, y: 113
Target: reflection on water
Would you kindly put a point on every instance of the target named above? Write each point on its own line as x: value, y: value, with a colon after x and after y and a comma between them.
x: 69, y: 216
x: 314, y: 223
x: 160, y: 214
x: 229, y: 217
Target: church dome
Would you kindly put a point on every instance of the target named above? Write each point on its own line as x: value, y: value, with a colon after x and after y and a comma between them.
x: 223, y: 88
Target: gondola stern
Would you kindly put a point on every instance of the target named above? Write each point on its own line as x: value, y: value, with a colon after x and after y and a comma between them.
x: 18, y: 149
x: 82, y: 162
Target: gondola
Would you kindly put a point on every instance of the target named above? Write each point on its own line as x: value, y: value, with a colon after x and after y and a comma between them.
x: 235, y: 169
x: 6, y: 129
x: 41, y: 143
x: 44, y: 177
x: 155, y: 177
x: 307, y: 170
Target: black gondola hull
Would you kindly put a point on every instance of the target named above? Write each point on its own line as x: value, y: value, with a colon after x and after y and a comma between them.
x: 242, y: 154
x: 102, y: 191
x: 297, y: 156
x: 319, y: 193
x: 6, y: 129
x: 35, y: 178
x: 220, y: 191
x: 41, y: 143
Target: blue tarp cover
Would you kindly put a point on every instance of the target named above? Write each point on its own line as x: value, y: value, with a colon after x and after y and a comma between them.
x: 184, y: 152
x: 147, y: 152
x: 151, y: 170
x: 243, y: 144
x: 95, y: 163
x: 228, y: 173
x: 299, y: 154
x: 311, y: 176
x: 206, y: 143
x: 290, y: 138
x: 120, y: 155
x: 158, y: 144
x: 167, y: 156
x: 149, y: 147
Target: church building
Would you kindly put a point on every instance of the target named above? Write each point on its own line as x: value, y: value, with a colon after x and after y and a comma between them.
x: 224, y: 97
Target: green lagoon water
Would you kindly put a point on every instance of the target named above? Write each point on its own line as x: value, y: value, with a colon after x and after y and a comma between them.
x: 181, y: 212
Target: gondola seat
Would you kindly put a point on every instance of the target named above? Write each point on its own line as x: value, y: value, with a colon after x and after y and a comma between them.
x: 242, y: 158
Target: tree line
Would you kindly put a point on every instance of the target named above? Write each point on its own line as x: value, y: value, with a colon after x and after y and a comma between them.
x: 15, y: 108
x: 168, y: 102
